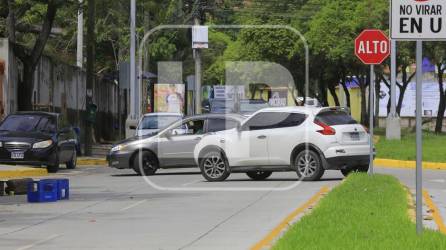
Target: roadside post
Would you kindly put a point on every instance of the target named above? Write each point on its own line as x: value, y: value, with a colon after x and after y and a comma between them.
x: 372, y: 47
x: 418, y: 20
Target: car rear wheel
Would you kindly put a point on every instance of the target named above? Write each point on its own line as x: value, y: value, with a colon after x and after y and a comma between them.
x: 360, y: 169
x: 73, y: 162
x: 259, y: 175
x: 145, y: 163
x: 214, y: 166
x: 308, y: 166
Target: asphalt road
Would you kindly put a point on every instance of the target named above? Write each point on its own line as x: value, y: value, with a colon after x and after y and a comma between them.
x: 115, y: 209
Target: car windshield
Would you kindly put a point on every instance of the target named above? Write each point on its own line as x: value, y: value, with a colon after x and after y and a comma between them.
x: 158, y: 121
x: 252, y: 106
x: 28, y: 123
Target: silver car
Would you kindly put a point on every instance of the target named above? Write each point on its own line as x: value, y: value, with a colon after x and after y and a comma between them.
x: 153, y: 122
x: 172, y: 147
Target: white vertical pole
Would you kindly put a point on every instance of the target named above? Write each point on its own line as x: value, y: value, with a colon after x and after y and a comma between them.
x: 393, y: 79
x: 371, y: 113
x: 80, y: 35
x: 419, y: 138
x: 133, y: 85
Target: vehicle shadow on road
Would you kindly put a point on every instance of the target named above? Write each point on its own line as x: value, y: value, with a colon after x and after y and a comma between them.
x: 282, y: 179
x: 159, y: 174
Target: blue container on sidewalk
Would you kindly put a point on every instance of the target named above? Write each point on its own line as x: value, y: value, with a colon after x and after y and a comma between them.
x: 42, y: 191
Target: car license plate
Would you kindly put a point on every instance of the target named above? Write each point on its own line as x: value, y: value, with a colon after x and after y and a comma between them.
x: 354, y: 136
x: 17, y: 155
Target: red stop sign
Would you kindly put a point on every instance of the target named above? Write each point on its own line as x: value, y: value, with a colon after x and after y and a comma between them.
x: 372, y: 47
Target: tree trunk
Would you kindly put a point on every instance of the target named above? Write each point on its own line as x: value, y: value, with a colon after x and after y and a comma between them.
x: 332, y: 90
x: 347, y: 92
x: 363, y: 88
x: 25, y: 88
x: 442, y: 104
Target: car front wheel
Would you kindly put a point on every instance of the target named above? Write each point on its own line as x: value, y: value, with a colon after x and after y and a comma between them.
x: 259, y: 175
x: 145, y: 163
x: 308, y: 166
x: 214, y: 166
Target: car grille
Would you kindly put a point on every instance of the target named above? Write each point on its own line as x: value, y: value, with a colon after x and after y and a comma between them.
x: 17, y: 146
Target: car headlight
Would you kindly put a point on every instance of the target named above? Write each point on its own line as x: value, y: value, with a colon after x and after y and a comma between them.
x: 117, y: 148
x: 43, y: 144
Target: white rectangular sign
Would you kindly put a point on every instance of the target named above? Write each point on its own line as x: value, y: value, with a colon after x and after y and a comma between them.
x: 418, y: 19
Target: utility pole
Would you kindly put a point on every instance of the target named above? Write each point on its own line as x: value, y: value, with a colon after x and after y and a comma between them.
x: 80, y: 35
x: 197, y: 57
x: 393, y: 126
x: 133, y: 86
x: 91, y: 47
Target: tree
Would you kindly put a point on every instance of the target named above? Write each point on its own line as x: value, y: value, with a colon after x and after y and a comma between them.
x: 437, y: 52
x: 30, y: 57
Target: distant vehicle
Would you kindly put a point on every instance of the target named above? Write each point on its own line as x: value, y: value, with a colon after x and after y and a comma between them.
x: 250, y: 106
x: 172, y: 147
x: 38, y: 138
x: 304, y: 140
x: 220, y: 106
x: 151, y: 123
x: 310, y: 102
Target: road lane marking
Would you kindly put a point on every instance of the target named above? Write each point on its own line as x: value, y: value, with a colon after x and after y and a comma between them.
x: 52, y: 237
x: 133, y: 205
x: 268, y: 239
x: 439, y: 181
x: 435, y: 212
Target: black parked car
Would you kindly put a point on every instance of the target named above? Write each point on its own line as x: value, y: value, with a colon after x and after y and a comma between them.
x: 37, y: 138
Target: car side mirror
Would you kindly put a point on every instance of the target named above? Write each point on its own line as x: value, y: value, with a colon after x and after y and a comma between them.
x: 239, y: 127
x: 168, y: 134
x: 65, y: 131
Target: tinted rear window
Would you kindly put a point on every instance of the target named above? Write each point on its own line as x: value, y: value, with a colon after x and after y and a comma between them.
x: 333, y: 118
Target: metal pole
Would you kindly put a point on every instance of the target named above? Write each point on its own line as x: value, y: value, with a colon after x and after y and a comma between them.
x: 133, y: 85
x: 419, y: 138
x: 393, y: 79
x: 80, y: 35
x: 197, y: 55
x: 371, y: 113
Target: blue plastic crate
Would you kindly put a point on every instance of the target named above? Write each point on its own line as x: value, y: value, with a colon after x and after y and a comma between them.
x: 63, y: 189
x: 42, y: 191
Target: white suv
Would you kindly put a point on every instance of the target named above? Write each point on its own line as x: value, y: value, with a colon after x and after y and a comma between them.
x: 301, y: 139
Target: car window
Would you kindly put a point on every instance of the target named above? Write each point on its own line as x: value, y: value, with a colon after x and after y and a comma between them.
x: 191, y: 127
x: 219, y: 124
x: 273, y: 120
x: 335, y: 117
x: 28, y: 123
x: 157, y: 122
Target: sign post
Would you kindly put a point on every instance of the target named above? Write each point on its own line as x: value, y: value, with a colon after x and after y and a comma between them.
x: 372, y: 47
x: 418, y: 20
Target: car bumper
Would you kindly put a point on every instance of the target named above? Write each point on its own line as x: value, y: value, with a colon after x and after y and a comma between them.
x: 347, y: 162
x: 120, y: 160
x: 31, y: 157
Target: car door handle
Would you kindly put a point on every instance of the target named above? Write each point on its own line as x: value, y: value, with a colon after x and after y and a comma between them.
x: 261, y: 137
x: 198, y: 139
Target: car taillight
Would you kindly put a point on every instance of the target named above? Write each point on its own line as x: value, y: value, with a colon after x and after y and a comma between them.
x: 326, y: 130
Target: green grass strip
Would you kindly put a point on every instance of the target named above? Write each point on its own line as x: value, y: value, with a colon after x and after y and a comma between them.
x: 362, y: 213
x: 434, y: 147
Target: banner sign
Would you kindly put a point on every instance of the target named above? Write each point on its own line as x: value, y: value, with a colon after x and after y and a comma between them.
x: 418, y: 19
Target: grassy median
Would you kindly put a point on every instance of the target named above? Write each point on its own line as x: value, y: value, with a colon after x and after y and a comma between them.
x: 434, y: 147
x: 362, y: 213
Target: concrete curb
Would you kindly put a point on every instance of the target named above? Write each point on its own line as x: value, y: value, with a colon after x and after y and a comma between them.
x: 23, y: 172
x: 91, y: 161
x: 388, y: 163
